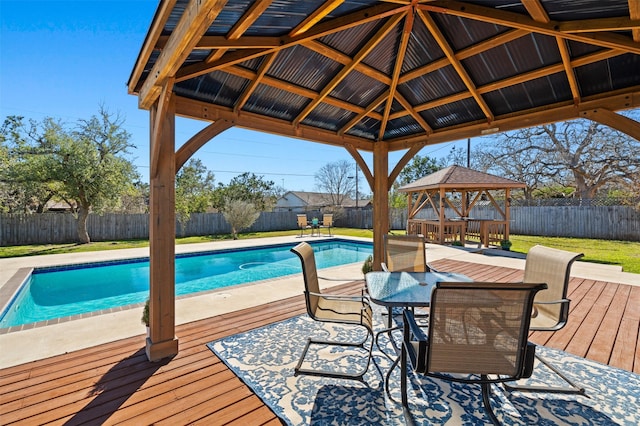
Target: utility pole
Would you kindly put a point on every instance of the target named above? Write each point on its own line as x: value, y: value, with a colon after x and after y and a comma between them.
x: 356, y: 178
x: 357, y: 185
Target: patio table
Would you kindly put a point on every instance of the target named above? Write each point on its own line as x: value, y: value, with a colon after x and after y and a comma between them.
x: 405, y: 290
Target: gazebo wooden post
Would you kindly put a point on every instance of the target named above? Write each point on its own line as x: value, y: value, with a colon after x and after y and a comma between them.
x: 162, y: 342
x: 380, y: 201
x: 441, y: 217
x: 507, y: 210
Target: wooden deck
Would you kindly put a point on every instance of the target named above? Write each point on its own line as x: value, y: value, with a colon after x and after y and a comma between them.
x: 114, y: 383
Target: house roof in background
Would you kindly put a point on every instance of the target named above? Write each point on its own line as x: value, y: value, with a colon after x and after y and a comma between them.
x: 323, y: 199
x: 355, y: 73
x: 458, y: 177
x: 312, y: 198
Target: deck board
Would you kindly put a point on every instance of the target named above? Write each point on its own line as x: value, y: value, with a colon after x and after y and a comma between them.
x: 606, y: 335
x: 114, y: 384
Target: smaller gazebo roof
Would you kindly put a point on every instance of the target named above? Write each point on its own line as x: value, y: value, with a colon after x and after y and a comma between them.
x: 457, y: 178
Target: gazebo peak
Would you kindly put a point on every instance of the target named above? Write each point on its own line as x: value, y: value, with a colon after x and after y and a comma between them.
x: 458, y: 177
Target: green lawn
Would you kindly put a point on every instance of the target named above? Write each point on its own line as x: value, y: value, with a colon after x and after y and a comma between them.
x: 623, y: 253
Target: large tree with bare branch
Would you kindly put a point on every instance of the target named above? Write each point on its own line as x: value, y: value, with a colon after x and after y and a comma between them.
x: 335, y: 180
x: 583, y: 154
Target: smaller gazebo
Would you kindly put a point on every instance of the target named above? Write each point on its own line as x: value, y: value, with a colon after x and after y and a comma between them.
x: 442, y: 189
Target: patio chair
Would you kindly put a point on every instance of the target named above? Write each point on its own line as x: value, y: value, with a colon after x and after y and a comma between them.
x: 550, y: 307
x: 404, y: 253
x: 340, y: 309
x: 302, y: 223
x: 327, y: 222
x: 477, y: 334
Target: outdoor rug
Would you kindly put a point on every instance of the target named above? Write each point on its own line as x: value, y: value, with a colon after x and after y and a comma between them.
x: 265, y: 358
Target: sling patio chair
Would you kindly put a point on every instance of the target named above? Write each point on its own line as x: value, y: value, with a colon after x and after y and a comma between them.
x: 550, y: 307
x: 339, y: 309
x: 302, y: 223
x: 404, y: 253
x: 477, y: 334
x: 327, y: 222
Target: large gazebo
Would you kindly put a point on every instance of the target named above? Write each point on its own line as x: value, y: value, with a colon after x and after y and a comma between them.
x: 459, y: 189
x: 370, y: 76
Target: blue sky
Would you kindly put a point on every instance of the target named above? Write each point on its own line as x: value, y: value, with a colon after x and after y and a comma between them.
x: 63, y: 59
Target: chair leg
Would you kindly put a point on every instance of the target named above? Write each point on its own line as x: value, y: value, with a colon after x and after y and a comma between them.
x: 408, y: 418
x: 486, y: 393
x: 571, y: 389
x: 358, y: 375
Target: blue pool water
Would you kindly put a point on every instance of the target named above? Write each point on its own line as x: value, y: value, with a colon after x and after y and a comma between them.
x: 64, y: 291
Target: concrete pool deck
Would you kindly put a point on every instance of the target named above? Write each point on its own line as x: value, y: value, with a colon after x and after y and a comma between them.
x: 42, y: 342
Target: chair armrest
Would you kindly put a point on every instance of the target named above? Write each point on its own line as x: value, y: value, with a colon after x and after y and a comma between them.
x: 431, y: 268
x: 534, y: 313
x: 384, y: 267
x: 412, y: 327
x: 553, y: 302
x: 414, y: 337
x: 362, y: 299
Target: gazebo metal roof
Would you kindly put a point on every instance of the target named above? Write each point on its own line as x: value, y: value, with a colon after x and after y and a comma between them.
x: 400, y: 72
x: 458, y: 177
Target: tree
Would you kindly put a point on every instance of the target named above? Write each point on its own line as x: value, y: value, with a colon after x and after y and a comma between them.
x: 508, y: 157
x: 20, y: 192
x: 333, y: 179
x: 240, y: 215
x: 135, y: 200
x: 417, y: 168
x: 580, y: 153
x: 194, y: 189
x: 84, y: 166
x: 246, y: 187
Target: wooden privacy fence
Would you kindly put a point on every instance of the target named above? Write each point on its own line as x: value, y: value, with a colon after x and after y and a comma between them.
x: 609, y: 223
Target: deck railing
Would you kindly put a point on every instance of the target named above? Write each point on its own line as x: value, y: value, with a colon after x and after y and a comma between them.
x: 452, y: 230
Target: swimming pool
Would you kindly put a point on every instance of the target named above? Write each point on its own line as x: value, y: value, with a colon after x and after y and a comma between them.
x: 56, y: 292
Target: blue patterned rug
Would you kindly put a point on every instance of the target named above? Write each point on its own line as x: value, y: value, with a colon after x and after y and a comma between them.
x: 265, y: 358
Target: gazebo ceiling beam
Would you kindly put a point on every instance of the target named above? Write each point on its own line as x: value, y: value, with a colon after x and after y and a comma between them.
x: 301, y: 91
x: 195, y: 21
x: 397, y: 67
x: 342, y: 74
x: 457, y: 65
x: 468, y: 52
x: 315, y: 17
x: 248, y: 18
x: 634, y: 13
x: 205, y: 111
x: 254, y: 82
x: 518, y: 79
x: 154, y: 35
x: 245, y: 21
x: 539, y: 14
x: 368, y: 111
x: 320, y: 30
x: 596, y: 36
x: 338, y: 56
x: 617, y: 100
